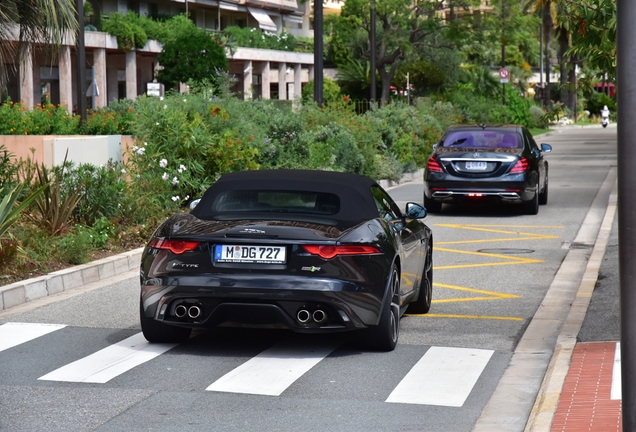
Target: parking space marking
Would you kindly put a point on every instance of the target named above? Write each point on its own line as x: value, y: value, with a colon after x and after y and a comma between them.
x: 491, y: 295
x: 516, y: 235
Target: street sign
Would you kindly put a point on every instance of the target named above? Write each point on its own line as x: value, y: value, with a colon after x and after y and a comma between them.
x: 504, y: 74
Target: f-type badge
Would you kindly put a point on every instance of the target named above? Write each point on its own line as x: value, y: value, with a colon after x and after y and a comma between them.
x: 310, y: 269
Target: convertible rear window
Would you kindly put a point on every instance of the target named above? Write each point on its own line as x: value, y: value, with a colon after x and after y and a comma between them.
x: 482, y: 139
x: 299, y: 202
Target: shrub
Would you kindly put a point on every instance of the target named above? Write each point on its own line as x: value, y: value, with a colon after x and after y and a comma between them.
x: 76, y: 247
x: 536, y: 117
x: 256, y: 38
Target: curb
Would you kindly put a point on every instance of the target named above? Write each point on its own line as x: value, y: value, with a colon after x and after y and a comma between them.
x: 67, y: 279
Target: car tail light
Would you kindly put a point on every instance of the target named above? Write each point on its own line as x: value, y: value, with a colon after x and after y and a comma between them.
x: 330, y: 251
x: 175, y: 246
x: 520, y: 167
x: 433, y: 166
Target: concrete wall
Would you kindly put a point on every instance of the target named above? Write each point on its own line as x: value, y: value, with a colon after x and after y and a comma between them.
x: 51, y: 150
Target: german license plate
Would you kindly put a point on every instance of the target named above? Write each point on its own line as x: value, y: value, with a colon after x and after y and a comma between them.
x: 250, y: 254
x: 477, y: 166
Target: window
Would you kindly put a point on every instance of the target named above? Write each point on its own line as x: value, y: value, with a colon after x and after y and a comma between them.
x: 297, y: 202
x: 387, y: 209
x: 482, y: 139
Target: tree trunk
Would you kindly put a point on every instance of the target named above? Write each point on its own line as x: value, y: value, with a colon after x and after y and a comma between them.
x: 564, y: 45
x: 547, y: 32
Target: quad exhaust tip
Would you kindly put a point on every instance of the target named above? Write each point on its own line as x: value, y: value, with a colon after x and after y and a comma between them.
x: 303, y: 316
x: 319, y: 316
x: 180, y: 311
x: 194, y: 312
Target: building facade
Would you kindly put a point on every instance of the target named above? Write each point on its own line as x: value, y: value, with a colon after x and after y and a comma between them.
x: 113, y: 73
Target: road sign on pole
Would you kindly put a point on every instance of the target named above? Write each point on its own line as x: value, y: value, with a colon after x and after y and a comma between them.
x: 504, y: 75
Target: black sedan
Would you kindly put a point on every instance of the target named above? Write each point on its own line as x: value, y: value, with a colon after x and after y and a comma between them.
x: 312, y: 251
x: 479, y: 162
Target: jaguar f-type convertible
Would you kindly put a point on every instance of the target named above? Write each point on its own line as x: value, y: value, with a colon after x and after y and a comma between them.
x: 311, y: 251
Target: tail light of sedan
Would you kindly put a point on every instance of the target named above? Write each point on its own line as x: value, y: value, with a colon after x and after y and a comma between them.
x: 434, y: 166
x: 331, y: 251
x: 520, y: 167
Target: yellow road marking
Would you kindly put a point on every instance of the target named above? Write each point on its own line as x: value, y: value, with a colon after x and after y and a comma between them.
x: 510, y: 260
x: 490, y: 317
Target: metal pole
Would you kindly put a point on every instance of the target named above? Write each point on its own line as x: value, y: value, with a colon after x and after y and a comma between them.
x: 408, y: 90
x: 503, y: 49
x: 541, y: 58
x: 80, y: 52
x: 626, y: 64
x: 318, y: 48
x: 372, y: 48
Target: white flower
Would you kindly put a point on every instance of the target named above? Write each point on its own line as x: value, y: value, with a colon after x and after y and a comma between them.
x: 141, y: 151
x: 185, y: 100
x: 165, y: 107
x: 135, y: 148
x: 175, y: 181
x: 181, y: 169
x: 165, y: 176
x: 175, y: 198
x: 157, y: 123
x: 187, y: 197
x: 161, y: 98
x: 145, y: 143
x: 123, y: 170
x: 163, y: 163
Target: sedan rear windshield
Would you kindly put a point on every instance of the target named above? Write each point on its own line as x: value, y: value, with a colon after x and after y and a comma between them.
x: 482, y: 139
x: 313, y: 203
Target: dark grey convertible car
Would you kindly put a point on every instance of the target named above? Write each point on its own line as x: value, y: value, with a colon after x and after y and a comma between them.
x: 312, y: 251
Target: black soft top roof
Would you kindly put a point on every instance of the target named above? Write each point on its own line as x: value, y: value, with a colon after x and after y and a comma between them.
x: 354, y: 191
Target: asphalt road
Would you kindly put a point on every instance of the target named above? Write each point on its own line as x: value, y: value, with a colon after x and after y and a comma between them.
x: 492, y: 270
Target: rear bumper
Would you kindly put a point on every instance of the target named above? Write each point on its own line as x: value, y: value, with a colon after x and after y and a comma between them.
x: 262, y: 301
x: 508, y: 188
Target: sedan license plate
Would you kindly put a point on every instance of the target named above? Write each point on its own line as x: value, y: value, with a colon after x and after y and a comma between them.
x: 250, y: 254
x: 476, y: 166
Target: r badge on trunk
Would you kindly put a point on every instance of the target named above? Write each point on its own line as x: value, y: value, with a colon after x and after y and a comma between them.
x: 310, y: 269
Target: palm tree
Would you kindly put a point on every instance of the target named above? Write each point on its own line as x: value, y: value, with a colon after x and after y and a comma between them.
x: 24, y: 21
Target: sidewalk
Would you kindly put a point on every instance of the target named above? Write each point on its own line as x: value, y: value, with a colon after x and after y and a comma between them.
x: 581, y: 391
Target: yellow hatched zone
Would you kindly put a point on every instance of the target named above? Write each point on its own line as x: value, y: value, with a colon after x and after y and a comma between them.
x: 501, y: 233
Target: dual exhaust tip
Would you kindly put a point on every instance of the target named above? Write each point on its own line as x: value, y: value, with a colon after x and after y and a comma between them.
x: 318, y: 316
x: 182, y: 310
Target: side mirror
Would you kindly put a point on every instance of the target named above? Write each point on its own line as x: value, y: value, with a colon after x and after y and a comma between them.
x: 546, y: 148
x: 194, y: 203
x: 415, y: 211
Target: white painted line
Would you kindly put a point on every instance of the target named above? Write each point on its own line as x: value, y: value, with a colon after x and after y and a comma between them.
x: 271, y: 372
x: 12, y: 334
x: 106, y: 364
x: 443, y: 377
x: 616, y: 393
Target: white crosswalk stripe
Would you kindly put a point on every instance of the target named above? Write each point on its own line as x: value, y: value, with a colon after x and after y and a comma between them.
x: 273, y: 370
x: 13, y: 334
x: 443, y: 376
x: 109, y: 362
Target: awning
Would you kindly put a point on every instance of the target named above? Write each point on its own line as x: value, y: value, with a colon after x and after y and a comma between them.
x: 293, y: 18
x: 231, y: 7
x: 264, y: 21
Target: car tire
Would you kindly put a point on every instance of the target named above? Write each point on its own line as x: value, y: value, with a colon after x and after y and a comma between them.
x: 532, y: 207
x: 423, y: 303
x: 431, y: 205
x: 384, y: 336
x: 158, y: 332
x: 543, y: 196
